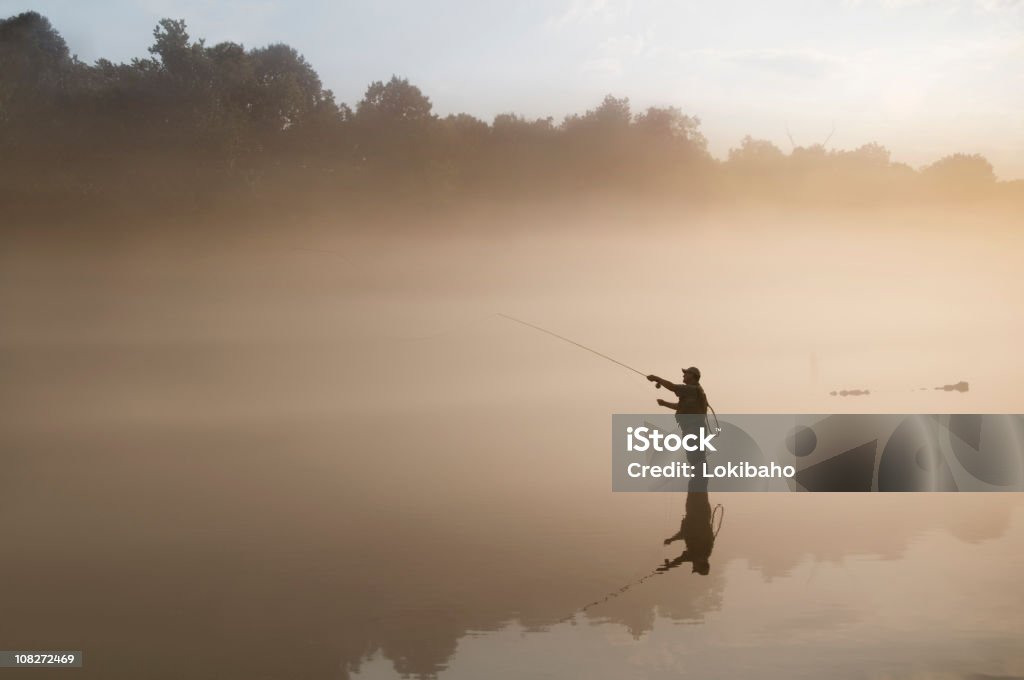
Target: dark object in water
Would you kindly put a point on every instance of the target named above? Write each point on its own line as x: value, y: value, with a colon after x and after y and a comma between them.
x: 961, y: 386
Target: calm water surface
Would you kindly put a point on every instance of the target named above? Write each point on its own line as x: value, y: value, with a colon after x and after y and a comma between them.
x: 257, y: 463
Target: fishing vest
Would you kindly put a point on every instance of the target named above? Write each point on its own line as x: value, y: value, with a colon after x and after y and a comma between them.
x: 692, y: 400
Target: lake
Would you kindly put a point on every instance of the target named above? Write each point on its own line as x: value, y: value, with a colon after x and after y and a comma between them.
x: 321, y: 453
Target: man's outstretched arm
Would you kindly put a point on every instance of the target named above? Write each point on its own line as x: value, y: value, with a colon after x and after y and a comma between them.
x: 662, y: 382
x: 674, y: 563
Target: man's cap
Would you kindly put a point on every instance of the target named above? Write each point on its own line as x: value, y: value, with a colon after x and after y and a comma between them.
x: 694, y: 370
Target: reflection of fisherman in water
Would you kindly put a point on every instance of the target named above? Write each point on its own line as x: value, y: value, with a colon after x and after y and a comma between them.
x: 695, y: 529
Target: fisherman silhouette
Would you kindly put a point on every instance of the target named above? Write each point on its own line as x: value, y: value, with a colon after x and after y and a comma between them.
x: 692, y: 407
x: 692, y: 399
x: 695, y: 529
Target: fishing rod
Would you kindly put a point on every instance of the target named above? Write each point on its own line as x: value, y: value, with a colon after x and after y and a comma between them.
x: 603, y: 356
x: 573, y: 342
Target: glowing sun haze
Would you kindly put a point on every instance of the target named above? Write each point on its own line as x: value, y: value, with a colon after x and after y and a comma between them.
x: 924, y: 78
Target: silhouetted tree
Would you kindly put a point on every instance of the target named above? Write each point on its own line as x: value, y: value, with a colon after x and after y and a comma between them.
x: 396, y: 100
x: 34, y: 64
x: 756, y: 154
x: 286, y: 88
x: 190, y: 123
x: 670, y: 125
x: 960, y: 172
x: 37, y: 74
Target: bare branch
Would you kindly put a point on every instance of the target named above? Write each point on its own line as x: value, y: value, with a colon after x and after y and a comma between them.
x: 829, y: 135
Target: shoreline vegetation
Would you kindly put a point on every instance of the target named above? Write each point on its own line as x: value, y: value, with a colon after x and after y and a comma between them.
x: 224, y: 131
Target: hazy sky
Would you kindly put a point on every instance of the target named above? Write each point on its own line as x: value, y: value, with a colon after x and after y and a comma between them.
x: 922, y: 77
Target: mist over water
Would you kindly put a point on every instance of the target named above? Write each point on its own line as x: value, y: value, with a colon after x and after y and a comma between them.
x: 319, y: 452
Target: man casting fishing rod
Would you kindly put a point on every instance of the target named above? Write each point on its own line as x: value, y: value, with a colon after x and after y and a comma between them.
x: 692, y: 399
x: 696, y: 528
x: 692, y: 407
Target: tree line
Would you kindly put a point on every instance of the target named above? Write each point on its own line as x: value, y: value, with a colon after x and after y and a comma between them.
x: 193, y: 124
